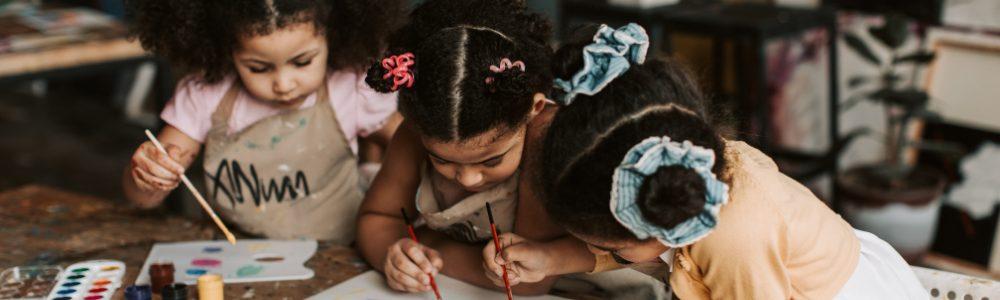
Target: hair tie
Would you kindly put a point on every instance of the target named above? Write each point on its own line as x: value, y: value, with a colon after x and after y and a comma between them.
x: 505, y: 64
x: 609, y: 56
x: 398, y: 67
x: 641, y: 161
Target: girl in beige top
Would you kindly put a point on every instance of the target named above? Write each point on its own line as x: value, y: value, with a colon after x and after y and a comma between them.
x: 714, y: 218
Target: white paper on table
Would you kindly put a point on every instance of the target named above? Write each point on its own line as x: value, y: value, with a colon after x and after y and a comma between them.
x: 371, y: 286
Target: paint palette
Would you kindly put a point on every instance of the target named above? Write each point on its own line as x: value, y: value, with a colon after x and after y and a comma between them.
x: 28, y: 283
x: 89, y: 280
x: 247, y: 261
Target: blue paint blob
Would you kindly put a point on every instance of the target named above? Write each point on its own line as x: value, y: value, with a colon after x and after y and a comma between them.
x: 212, y: 249
x: 196, y: 272
x: 63, y: 298
x: 75, y: 277
x: 67, y: 291
x: 71, y: 284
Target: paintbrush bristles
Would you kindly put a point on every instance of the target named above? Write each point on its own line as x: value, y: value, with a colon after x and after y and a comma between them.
x: 197, y: 195
x: 489, y: 212
x: 405, y: 217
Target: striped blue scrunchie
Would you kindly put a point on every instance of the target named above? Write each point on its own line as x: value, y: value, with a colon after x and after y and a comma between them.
x: 611, y: 54
x: 643, y: 160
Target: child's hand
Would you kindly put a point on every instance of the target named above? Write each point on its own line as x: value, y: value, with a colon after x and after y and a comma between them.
x: 153, y: 171
x: 525, y: 260
x: 407, y: 264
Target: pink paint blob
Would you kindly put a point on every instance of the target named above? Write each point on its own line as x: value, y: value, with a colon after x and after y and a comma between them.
x: 206, y: 262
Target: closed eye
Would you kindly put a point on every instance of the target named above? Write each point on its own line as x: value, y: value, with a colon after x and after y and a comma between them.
x: 302, y: 63
x: 493, y: 162
x: 258, y: 70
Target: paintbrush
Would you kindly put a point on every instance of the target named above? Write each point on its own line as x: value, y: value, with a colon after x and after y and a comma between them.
x: 197, y: 195
x: 496, y: 243
x: 413, y: 236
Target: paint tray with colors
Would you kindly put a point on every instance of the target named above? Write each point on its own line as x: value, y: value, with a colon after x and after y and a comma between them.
x: 28, y: 283
x: 89, y: 280
x: 246, y: 261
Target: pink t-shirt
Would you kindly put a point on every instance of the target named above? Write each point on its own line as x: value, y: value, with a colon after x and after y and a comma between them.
x: 360, y: 110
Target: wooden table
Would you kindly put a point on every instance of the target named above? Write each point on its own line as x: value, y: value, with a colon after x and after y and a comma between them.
x: 43, y: 225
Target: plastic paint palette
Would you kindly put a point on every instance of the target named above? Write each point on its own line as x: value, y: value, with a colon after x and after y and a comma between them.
x: 89, y: 280
x: 28, y: 283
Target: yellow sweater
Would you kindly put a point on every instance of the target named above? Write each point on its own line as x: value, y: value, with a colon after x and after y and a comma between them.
x: 774, y: 240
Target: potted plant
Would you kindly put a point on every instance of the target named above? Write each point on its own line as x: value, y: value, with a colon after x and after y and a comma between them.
x: 894, y: 198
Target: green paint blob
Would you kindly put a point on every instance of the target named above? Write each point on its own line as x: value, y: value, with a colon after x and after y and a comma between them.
x: 249, y: 270
x: 275, y: 139
x: 302, y: 122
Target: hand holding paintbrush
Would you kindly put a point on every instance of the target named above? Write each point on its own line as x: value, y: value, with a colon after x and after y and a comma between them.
x: 413, y: 236
x: 197, y: 195
x: 496, y: 243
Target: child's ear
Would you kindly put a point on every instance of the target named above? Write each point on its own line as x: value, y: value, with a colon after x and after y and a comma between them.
x: 538, y: 104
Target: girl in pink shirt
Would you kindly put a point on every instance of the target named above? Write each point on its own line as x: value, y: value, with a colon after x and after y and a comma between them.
x: 278, y: 99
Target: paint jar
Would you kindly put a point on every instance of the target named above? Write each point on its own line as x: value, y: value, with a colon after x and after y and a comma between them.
x: 210, y: 287
x: 160, y: 275
x: 138, y: 292
x: 174, y: 291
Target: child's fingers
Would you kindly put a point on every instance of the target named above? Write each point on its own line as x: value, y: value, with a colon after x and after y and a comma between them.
x: 436, y: 261
x: 419, y: 257
x: 492, y: 276
x: 403, y: 264
x: 507, y: 240
x: 400, y: 281
x: 167, y: 162
x: 153, y: 167
x: 490, y: 259
x: 174, y: 156
x: 154, y: 182
x: 140, y: 181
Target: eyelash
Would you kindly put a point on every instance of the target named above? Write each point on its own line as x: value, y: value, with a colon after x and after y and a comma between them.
x: 297, y: 64
x: 493, y: 162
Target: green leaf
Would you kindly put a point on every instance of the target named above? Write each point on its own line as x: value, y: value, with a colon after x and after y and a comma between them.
x: 893, y: 32
x: 851, y: 102
x: 862, y: 49
x: 857, y: 81
x: 890, y: 79
x: 920, y: 57
x: 943, y: 147
x: 909, y: 99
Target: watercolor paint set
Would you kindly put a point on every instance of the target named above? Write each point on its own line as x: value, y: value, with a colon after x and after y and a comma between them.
x: 89, y: 280
x: 28, y: 283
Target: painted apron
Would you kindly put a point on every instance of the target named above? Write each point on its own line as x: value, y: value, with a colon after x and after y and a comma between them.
x: 467, y: 220
x: 292, y: 175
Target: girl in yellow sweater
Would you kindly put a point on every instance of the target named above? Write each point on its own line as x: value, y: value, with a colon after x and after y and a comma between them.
x: 714, y: 218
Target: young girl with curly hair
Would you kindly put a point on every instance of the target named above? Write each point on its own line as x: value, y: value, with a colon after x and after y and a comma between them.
x: 277, y: 97
x: 473, y: 78
x: 633, y: 167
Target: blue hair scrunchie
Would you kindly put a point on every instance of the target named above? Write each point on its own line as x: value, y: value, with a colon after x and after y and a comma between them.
x: 643, y: 160
x: 611, y: 54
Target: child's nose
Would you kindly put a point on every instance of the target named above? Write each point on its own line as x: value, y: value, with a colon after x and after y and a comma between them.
x: 469, y: 178
x: 283, y: 85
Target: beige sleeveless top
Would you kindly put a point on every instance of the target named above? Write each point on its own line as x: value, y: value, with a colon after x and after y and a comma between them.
x: 467, y: 220
x: 292, y: 175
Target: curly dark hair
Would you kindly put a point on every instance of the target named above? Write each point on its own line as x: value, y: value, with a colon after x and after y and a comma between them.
x: 588, y: 139
x: 200, y: 35
x: 455, y: 95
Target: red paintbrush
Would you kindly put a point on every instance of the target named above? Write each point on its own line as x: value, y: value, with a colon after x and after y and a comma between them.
x: 413, y: 236
x: 496, y: 242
